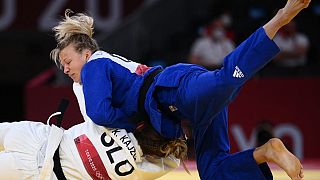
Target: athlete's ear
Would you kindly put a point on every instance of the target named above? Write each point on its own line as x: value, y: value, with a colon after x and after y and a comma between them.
x: 87, y: 54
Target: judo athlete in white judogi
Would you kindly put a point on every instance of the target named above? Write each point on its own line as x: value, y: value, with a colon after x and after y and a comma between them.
x: 87, y: 151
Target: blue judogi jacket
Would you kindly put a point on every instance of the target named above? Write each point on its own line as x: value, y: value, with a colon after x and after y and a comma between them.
x: 111, y: 85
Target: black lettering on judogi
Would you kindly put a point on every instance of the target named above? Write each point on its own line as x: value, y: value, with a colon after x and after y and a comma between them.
x: 117, y: 168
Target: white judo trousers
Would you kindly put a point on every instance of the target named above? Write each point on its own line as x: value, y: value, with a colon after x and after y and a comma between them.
x: 25, y: 152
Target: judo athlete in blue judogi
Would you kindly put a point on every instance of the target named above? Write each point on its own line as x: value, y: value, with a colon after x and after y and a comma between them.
x: 116, y: 90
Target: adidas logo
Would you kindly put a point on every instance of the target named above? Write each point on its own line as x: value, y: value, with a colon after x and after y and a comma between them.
x: 237, y: 73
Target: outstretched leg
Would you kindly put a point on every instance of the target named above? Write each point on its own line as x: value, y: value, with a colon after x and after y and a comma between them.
x: 274, y: 151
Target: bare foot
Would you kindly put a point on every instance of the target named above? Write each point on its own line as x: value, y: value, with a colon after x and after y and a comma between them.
x: 277, y: 153
x: 284, y: 16
x: 293, y: 7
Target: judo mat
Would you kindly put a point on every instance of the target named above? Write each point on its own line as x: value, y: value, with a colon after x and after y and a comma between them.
x: 311, y: 172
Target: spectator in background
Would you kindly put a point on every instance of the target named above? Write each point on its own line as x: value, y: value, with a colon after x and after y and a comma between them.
x: 210, y: 49
x: 294, y: 46
x: 227, y: 21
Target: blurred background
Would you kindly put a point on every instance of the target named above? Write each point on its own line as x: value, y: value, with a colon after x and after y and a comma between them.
x: 282, y: 100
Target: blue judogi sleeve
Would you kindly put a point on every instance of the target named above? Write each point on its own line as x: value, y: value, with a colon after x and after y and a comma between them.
x: 202, y: 94
x: 98, y: 85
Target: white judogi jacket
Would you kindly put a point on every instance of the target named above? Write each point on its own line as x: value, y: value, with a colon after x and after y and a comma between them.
x: 89, y: 151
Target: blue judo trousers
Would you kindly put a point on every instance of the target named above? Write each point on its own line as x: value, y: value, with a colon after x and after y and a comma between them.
x: 201, y: 96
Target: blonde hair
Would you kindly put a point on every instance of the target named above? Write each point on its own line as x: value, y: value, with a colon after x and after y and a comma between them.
x: 176, y: 147
x: 76, y: 30
x: 152, y: 143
